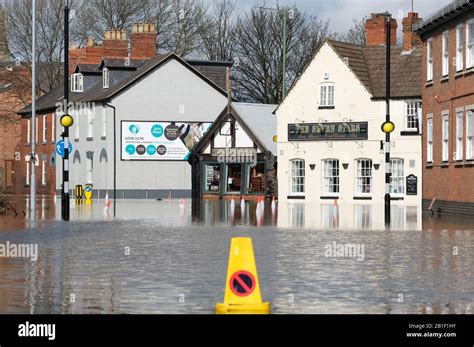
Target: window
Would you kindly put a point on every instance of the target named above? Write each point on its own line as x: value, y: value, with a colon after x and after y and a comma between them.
x: 297, y: 168
x: 77, y: 83
x: 445, y: 145
x: 234, y: 178
x: 445, y: 53
x: 53, y: 127
x: 327, y: 96
x: 212, y: 177
x: 90, y: 123
x: 78, y: 124
x: 43, y: 172
x: 331, y: 176
x: 459, y: 47
x: 90, y: 170
x: 470, y: 44
x: 412, y: 111
x: 397, y: 178
x: 429, y: 60
x: 429, y: 147
x: 459, y: 135
x: 105, y: 77
x: 364, y: 176
x: 36, y: 129
x: 104, y: 122
x: 27, y: 178
x: 28, y: 131
x: 45, y: 119
x: 469, y: 133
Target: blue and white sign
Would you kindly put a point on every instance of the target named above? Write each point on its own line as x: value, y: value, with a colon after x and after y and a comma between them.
x: 161, y: 141
x: 60, y: 148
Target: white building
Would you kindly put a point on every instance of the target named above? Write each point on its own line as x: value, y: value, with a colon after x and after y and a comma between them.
x: 330, y: 142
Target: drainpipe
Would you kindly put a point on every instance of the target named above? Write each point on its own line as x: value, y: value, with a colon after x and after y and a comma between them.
x: 115, y: 158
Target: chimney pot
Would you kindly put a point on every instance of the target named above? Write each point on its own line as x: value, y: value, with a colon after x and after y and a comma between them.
x: 375, y: 30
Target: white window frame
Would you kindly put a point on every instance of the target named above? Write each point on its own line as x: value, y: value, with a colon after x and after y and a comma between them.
x: 45, y: 121
x: 28, y: 131
x: 90, y: 122
x: 90, y: 170
x: 459, y: 47
x: 43, y: 172
x: 296, y: 178
x: 397, y: 177
x: 469, y: 44
x: 445, y: 53
x: 105, y: 78
x: 327, y: 95
x: 104, y: 122
x: 77, y: 121
x: 77, y: 83
x: 469, y: 135
x: 412, y: 112
x: 331, y: 177
x: 361, y: 176
x: 459, y: 135
x: 36, y: 129
x: 27, y: 178
x: 429, y: 60
x: 53, y: 127
x: 445, y: 138
x: 429, y: 140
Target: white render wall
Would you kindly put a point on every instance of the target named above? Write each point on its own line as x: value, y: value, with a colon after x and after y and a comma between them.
x: 170, y: 93
x: 352, y: 103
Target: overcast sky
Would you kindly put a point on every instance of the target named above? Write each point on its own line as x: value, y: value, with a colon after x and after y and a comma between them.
x: 341, y: 12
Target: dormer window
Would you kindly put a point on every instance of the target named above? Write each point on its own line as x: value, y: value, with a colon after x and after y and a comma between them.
x: 105, y: 77
x: 77, y: 84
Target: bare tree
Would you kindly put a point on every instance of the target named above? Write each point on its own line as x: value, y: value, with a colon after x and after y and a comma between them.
x: 259, y: 64
x: 49, y: 33
x: 218, y: 31
x: 356, y: 33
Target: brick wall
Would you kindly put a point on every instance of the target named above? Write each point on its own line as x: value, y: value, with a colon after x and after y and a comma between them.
x: 452, y: 181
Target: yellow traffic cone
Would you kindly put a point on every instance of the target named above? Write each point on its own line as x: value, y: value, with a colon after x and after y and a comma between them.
x: 242, y: 290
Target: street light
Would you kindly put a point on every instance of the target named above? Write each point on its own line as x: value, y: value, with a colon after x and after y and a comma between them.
x: 33, y: 118
x: 283, y: 12
x: 66, y: 120
x: 387, y: 127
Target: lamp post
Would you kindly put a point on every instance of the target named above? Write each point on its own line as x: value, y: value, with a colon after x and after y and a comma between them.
x: 284, y: 13
x: 66, y: 120
x: 387, y: 127
x: 33, y: 118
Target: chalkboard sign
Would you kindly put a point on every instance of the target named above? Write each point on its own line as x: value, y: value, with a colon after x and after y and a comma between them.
x: 412, y: 185
x: 328, y: 131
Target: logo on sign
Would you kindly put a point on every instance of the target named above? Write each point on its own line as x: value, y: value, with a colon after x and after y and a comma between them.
x: 134, y: 129
x: 242, y: 283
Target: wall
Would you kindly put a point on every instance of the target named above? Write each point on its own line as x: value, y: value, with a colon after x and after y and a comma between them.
x: 448, y: 181
x: 158, y: 97
x: 352, y: 103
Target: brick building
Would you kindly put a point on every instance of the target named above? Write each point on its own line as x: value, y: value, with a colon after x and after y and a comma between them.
x: 448, y: 107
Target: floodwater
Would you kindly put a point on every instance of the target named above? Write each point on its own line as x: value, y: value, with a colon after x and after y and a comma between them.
x: 163, y: 257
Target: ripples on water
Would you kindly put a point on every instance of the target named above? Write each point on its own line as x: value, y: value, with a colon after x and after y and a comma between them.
x: 178, y: 262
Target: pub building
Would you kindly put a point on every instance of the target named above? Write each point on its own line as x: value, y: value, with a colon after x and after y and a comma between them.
x: 330, y: 141
x: 236, y: 157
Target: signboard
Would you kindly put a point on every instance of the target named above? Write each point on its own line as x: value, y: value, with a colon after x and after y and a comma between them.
x: 160, y: 141
x: 60, y: 148
x: 328, y: 131
x: 412, y: 185
x: 242, y: 283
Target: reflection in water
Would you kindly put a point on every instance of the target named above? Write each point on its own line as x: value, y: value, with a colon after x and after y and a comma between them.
x: 181, y: 252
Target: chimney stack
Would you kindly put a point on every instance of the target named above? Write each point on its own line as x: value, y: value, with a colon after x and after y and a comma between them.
x: 410, y: 38
x: 376, y: 30
x: 115, y: 44
x: 143, y: 41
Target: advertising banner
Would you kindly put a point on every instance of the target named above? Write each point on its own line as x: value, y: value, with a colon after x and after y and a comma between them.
x: 160, y: 141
